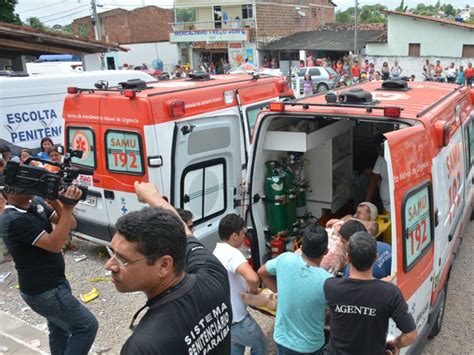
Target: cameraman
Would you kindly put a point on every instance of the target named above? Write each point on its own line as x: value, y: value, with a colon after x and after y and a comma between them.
x: 26, y: 227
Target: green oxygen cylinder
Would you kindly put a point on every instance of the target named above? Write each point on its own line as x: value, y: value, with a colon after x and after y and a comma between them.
x: 296, y: 165
x: 275, y: 198
x: 291, y: 192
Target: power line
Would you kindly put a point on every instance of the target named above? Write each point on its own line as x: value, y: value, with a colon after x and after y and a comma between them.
x: 40, y: 8
x: 69, y: 15
x: 62, y: 12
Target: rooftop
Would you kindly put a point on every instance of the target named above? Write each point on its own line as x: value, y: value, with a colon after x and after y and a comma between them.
x: 330, y: 37
x: 31, y: 41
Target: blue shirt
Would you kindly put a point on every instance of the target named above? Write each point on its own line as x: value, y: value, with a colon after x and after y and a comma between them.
x: 383, y: 265
x: 43, y: 155
x: 301, y: 309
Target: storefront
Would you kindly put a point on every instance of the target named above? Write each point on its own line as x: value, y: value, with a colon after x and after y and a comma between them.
x: 214, y: 46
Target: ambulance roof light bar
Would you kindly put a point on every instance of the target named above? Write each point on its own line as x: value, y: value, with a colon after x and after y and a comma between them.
x: 391, y: 111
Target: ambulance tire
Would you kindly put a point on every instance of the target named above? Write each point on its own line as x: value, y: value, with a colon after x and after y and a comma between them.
x: 439, y: 317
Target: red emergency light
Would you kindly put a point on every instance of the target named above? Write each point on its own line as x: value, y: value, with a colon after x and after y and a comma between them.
x: 129, y: 93
x: 177, y: 108
x: 276, y: 106
x: 393, y: 112
x: 72, y: 90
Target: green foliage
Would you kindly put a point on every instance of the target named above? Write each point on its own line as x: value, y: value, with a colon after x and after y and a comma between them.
x: 372, y: 14
x: 448, y: 9
x: 366, y: 14
x: 402, y: 7
x: 344, y: 17
x: 35, y: 23
x: 7, y: 12
x: 83, y: 30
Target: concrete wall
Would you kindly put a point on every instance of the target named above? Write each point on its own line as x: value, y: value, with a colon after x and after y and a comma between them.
x: 435, y: 39
x: 147, y: 52
x: 412, y: 65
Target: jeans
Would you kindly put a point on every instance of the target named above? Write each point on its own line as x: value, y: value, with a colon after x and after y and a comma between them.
x: 248, y: 333
x: 281, y: 350
x: 72, y: 327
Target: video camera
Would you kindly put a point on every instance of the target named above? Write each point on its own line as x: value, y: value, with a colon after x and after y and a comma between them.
x: 33, y: 180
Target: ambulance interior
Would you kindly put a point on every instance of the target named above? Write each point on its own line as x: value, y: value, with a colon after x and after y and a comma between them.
x: 320, y: 164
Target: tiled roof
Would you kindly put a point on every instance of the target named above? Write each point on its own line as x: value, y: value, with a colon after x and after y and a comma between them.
x: 330, y: 37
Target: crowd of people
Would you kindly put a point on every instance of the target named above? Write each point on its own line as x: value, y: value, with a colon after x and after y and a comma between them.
x: 197, y: 300
x: 353, y: 72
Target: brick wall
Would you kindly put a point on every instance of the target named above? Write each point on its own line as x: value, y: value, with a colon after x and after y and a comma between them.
x: 142, y: 25
x: 280, y: 18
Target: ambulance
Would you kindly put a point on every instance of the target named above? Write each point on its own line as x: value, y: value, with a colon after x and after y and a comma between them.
x: 31, y: 106
x: 304, y: 161
x: 226, y: 144
x: 181, y: 134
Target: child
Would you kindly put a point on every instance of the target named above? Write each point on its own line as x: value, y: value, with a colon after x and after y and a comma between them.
x: 46, y: 145
x: 307, y: 85
x: 460, y: 78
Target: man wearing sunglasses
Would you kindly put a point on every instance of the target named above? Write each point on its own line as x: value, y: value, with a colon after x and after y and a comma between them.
x: 189, y: 309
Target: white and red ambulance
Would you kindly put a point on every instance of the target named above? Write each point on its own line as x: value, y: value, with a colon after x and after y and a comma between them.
x: 429, y: 151
x: 180, y: 134
x: 190, y: 137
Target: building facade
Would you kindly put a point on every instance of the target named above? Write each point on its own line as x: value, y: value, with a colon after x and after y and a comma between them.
x: 422, y: 36
x: 144, y: 31
x: 235, y: 30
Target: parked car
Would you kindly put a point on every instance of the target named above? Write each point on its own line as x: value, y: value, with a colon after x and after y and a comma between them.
x: 324, y: 78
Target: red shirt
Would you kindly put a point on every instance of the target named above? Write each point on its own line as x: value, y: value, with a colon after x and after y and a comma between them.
x: 469, y: 73
x: 355, y: 71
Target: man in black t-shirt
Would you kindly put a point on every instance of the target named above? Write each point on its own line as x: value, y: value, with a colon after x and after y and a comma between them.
x: 36, y: 250
x: 189, y: 309
x: 361, y: 306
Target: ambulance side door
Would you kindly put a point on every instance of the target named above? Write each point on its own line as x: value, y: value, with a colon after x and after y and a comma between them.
x: 412, y: 215
x: 206, y: 172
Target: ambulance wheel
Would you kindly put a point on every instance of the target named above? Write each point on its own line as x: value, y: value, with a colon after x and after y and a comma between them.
x: 439, y: 318
x: 322, y: 88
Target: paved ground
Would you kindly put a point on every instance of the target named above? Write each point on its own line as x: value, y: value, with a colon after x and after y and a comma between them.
x: 22, y: 337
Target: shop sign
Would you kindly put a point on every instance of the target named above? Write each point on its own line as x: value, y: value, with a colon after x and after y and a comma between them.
x: 224, y: 35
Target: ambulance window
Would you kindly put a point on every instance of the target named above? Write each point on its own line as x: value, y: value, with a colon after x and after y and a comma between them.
x: 252, y: 113
x: 124, y: 153
x: 207, y: 140
x: 81, y: 138
x: 203, y: 189
x: 469, y: 145
x: 417, y: 225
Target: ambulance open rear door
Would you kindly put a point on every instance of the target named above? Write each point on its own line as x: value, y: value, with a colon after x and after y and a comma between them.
x: 413, y: 218
x: 206, y: 170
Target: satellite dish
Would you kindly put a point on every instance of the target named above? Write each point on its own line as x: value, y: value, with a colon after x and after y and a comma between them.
x: 302, y: 13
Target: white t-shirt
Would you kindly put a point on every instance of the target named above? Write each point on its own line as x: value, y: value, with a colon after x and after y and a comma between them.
x: 380, y: 168
x: 232, y: 258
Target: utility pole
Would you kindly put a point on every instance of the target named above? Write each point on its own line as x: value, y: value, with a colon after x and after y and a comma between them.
x: 96, y: 21
x: 355, y: 30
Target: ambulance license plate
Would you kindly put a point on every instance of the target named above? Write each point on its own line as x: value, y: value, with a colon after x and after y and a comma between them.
x: 89, y: 201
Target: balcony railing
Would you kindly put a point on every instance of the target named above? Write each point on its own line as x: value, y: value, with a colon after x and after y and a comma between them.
x: 210, y: 25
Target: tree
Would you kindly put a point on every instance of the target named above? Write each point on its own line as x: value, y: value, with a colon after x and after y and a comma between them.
x: 35, y: 23
x: 402, y: 7
x: 448, y: 9
x: 344, y: 17
x: 372, y: 14
x: 7, y: 12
